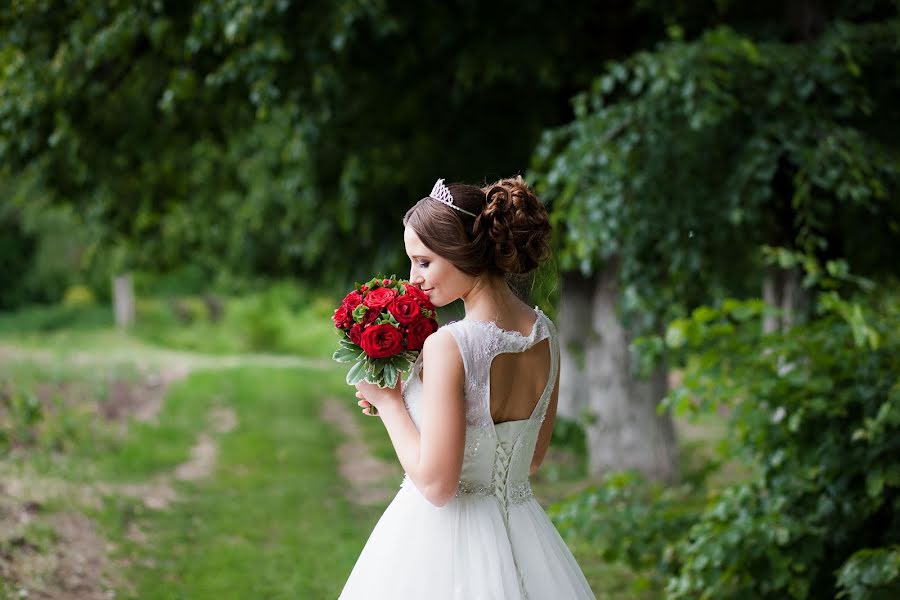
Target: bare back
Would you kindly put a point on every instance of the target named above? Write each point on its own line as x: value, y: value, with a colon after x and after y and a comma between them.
x: 517, y: 382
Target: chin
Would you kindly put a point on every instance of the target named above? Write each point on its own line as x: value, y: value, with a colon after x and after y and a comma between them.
x: 436, y: 301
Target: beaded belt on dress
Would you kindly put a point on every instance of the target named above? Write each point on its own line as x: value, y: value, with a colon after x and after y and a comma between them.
x: 518, y: 492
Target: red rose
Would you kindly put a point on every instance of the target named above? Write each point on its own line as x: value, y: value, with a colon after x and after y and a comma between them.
x: 417, y: 331
x: 341, y: 318
x: 405, y: 309
x: 419, y: 295
x: 356, y: 333
x: 381, y: 341
x: 371, y: 315
x: 352, y: 300
x: 379, y: 298
x: 385, y: 282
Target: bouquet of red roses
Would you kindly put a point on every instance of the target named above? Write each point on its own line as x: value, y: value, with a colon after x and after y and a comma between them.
x: 383, y: 324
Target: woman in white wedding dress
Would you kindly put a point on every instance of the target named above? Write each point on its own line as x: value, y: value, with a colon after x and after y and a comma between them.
x: 474, y: 418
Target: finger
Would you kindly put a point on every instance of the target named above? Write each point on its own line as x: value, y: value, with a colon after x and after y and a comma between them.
x: 363, y: 403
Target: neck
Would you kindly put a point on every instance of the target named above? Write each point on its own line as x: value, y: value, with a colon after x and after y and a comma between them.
x: 489, y: 298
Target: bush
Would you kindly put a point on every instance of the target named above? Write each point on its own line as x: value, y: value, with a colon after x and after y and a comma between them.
x: 871, y: 574
x: 631, y: 521
x: 31, y: 416
x: 77, y: 296
x: 817, y: 410
x: 265, y: 318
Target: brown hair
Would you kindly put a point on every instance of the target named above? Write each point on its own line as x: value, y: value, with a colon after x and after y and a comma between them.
x: 509, y: 236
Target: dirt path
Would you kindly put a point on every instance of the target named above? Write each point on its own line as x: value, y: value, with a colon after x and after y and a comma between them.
x: 74, y: 564
x: 367, y: 475
x: 70, y: 560
x: 152, y: 357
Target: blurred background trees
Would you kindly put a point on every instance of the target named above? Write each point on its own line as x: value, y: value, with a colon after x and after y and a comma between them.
x: 723, y: 180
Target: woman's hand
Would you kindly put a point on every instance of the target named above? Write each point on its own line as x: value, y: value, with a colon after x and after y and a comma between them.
x: 380, y: 398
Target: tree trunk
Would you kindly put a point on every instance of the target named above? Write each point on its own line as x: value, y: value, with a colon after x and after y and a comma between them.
x: 123, y: 300
x: 783, y: 290
x: 626, y: 432
x: 574, y: 313
x: 771, y: 293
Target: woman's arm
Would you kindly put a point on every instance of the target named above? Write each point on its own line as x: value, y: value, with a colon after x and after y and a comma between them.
x: 433, y: 457
x: 543, y: 441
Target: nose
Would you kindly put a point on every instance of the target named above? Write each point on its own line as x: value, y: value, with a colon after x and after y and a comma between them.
x: 415, y: 278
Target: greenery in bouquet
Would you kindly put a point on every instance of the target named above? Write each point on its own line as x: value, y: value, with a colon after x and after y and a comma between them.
x: 382, y: 326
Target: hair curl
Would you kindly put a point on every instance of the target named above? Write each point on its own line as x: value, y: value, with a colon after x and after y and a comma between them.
x: 510, y: 235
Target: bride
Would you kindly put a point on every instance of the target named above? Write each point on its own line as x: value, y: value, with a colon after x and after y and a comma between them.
x: 474, y: 418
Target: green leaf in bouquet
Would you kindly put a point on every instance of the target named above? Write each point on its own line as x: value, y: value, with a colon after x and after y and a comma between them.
x: 357, y: 372
x: 390, y: 375
x: 359, y: 312
x: 377, y: 366
x: 345, y: 355
x: 400, y: 363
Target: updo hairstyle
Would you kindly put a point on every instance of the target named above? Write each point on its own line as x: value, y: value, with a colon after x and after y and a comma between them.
x: 510, y: 235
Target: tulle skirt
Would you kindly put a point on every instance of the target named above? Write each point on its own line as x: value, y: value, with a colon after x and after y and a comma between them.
x: 464, y: 551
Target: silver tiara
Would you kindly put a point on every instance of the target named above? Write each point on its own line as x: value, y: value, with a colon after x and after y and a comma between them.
x: 440, y: 193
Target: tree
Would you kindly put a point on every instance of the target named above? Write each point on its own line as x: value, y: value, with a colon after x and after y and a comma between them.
x: 261, y: 136
x: 691, y: 169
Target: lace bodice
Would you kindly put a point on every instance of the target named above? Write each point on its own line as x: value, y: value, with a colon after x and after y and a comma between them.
x: 497, y: 456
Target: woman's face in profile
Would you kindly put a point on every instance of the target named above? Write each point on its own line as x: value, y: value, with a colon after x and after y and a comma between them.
x: 437, y: 276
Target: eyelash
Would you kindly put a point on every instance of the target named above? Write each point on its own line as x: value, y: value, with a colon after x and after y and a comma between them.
x: 423, y: 265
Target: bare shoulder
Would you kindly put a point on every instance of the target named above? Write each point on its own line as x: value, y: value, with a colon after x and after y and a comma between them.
x: 440, y: 345
x: 441, y: 355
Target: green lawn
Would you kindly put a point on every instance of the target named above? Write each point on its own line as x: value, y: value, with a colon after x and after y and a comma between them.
x: 272, y: 522
x: 269, y: 520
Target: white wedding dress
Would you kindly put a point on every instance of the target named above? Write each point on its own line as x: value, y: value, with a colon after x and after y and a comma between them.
x: 493, y: 541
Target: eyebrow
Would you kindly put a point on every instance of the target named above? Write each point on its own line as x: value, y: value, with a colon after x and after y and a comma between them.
x: 418, y: 256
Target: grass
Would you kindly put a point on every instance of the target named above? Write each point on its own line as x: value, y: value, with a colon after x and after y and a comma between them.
x: 271, y: 520
x: 275, y: 321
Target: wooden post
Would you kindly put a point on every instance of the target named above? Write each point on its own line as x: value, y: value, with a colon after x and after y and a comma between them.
x: 123, y: 300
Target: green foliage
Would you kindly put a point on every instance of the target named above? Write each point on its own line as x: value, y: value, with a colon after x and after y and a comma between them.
x: 282, y: 318
x: 212, y: 132
x: 78, y: 296
x: 40, y: 319
x: 683, y: 161
x: 569, y: 433
x: 871, y: 575
x: 814, y: 419
x: 816, y: 410
x: 632, y: 521
x: 41, y: 246
x: 49, y: 411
